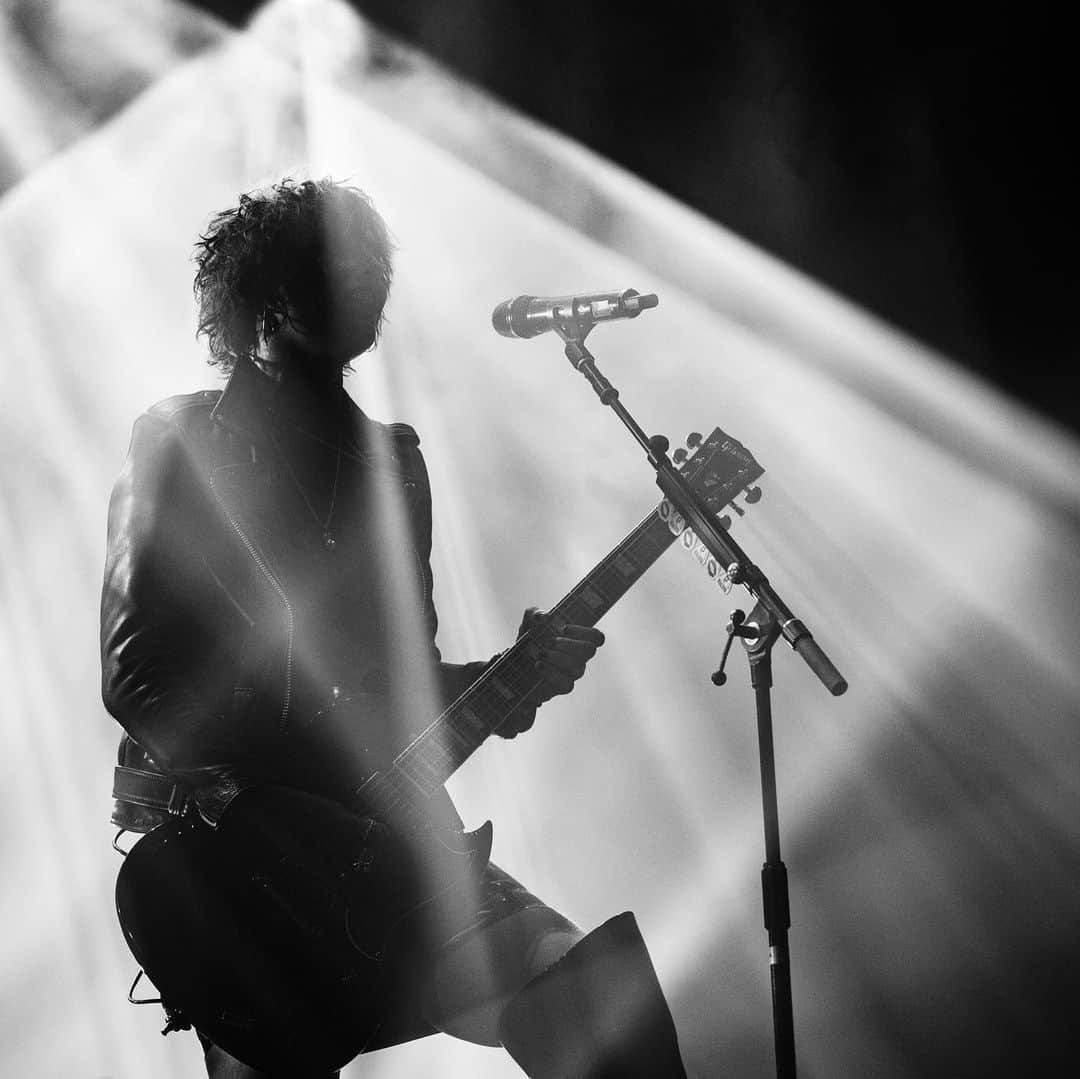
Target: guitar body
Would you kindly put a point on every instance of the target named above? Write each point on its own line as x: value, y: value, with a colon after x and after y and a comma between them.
x: 278, y: 934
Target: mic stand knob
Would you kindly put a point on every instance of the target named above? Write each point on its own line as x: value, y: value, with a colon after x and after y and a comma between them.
x: 737, y: 627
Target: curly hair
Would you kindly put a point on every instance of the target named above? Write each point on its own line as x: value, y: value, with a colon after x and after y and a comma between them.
x: 283, y: 248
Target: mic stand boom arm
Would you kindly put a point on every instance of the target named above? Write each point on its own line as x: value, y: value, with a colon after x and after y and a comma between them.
x: 741, y: 569
x: 770, y: 619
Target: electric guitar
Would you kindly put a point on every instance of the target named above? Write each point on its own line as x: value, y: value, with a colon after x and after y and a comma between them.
x: 275, y: 933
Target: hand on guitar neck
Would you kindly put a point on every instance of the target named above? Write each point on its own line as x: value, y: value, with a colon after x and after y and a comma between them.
x: 560, y: 654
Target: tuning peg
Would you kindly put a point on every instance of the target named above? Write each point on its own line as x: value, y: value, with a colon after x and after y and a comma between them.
x: 679, y: 456
x: 724, y: 522
x: 753, y: 495
x: 738, y: 509
x: 693, y: 440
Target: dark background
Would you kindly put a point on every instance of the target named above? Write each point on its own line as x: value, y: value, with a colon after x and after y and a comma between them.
x: 916, y: 160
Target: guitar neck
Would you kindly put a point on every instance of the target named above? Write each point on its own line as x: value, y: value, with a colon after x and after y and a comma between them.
x: 438, y: 751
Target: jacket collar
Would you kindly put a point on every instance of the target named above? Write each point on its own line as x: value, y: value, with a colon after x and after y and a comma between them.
x: 246, y: 407
x: 245, y: 404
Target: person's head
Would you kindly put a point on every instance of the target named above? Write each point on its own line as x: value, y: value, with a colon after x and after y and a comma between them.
x: 302, y: 266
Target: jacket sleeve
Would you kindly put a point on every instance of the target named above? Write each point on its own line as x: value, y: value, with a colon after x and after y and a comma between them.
x: 158, y: 646
x: 453, y: 678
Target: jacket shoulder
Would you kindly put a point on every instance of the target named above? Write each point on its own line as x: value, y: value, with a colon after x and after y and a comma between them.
x: 184, y: 408
x: 396, y: 446
x: 403, y: 434
x: 167, y: 430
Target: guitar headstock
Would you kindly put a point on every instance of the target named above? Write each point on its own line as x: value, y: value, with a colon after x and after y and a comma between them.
x: 719, y: 468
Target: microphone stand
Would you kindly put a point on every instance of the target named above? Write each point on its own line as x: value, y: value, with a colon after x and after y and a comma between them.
x: 769, y: 620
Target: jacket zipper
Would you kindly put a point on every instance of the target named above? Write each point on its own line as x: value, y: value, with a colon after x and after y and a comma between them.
x: 423, y: 580
x: 287, y: 701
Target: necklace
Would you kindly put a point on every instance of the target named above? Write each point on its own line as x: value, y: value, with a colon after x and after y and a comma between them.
x: 329, y: 540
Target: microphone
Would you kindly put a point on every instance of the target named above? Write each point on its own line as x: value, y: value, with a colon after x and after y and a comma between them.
x: 527, y: 316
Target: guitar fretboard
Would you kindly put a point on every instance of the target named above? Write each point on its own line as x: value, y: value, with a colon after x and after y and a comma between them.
x: 438, y: 751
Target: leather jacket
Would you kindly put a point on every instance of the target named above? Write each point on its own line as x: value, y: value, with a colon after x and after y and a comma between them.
x: 227, y: 624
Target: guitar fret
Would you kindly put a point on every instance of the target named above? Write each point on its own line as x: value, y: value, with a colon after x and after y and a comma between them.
x: 503, y: 688
x: 473, y: 723
x: 451, y: 752
x: 459, y: 741
x: 435, y: 748
x: 452, y: 738
x: 406, y: 768
x: 386, y: 795
x: 593, y: 598
x: 587, y: 603
x: 455, y: 754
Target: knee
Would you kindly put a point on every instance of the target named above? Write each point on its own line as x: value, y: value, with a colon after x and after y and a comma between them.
x: 546, y: 951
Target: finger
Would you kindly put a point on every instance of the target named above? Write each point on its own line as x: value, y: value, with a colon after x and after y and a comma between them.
x: 532, y: 615
x: 532, y: 619
x: 571, y: 663
x: 556, y: 681
x: 521, y: 719
x: 570, y: 644
x: 583, y: 633
x: 567, y: 646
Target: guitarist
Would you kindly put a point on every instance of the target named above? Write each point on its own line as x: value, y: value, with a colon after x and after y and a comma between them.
x: 268, y: 626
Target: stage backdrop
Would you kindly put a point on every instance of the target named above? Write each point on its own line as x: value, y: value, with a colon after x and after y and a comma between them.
x: 924, y: 528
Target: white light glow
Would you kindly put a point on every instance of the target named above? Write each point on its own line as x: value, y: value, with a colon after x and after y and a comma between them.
x: 923, y: 525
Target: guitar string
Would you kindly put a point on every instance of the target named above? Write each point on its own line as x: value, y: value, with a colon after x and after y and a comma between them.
x: 608, y: 594
x: 513, y: 676
x: 612, y: 588
x: 440, y: 763
x: 608, y: 584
